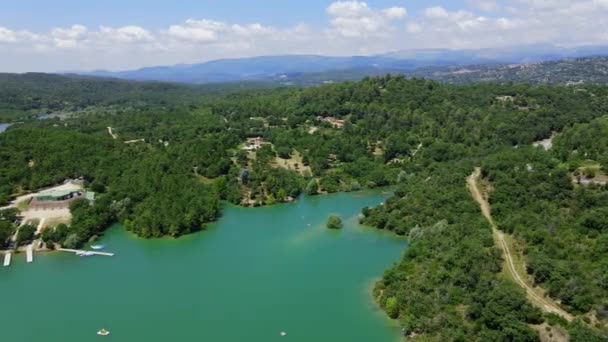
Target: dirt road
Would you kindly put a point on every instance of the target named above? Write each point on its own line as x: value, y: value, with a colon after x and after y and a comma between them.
x: 114, y: 135
x: 543, y: 303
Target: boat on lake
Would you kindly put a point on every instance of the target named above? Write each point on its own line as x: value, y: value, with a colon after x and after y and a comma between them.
x: 103, y: 332
x: 85, y: 254
x: 98, y: 247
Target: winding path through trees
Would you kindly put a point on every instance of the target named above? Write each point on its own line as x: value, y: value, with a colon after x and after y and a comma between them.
x: 114, y: 135
x: 543, y: 303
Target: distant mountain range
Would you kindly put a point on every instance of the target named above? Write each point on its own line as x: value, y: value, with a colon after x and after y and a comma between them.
x: 283, y: 68
x: 564, y: 71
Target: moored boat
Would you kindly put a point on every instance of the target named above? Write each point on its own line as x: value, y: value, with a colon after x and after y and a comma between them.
x: 103, y: 332
x: 98, y: 247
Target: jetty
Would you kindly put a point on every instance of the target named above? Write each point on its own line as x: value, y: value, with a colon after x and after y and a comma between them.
x: 7, y: 259
x: 30, y: 253
x: 81, y: 251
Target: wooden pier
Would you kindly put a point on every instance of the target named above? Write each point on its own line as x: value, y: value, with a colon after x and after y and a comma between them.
x: 81, y: 251
x: 30, y: 253
x: 7, y: 259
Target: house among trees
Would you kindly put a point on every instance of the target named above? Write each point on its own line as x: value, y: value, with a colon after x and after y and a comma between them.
x: 253, y: 144
x: 335, y: 122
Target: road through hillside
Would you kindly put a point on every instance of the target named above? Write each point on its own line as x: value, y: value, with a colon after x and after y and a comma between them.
x: 499, y: 237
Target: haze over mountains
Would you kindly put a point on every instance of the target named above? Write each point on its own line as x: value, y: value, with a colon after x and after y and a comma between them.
x: 283, y: 68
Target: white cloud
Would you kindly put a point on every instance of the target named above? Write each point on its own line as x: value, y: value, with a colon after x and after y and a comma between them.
x: 436, y: 12
x: 126, y: 34
x: 413, y: 28
x: 485, y: 5
x: 76, y: 32
x: 395, y: 13
x: 348, y: 9
x: 197, y: 30
x: 602, y: 3
x: 65, y: 38
x: 7, y: 36
x: 512, y: 23
x: 355, y: 19
x: 251, y: 30
x: 352, y: 27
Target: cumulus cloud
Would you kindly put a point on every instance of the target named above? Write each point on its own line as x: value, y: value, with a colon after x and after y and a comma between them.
x: 197, y: 30
x: 484, y: 5
x: 127, y: 34
x: 521, y: 22
x: 395, y: 13
x: 352, y: 27
x: 250, y: 30
x: 355, y: 19
x: 436, y: 12
x: 7, y: 36
x: 602, y: 3
x: 68, y: 37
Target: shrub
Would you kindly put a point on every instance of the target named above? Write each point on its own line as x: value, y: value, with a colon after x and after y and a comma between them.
x: 334, y: 222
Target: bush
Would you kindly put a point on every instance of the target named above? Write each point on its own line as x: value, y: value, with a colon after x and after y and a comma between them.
x: 312, y: 188
x: 284, y: 152
x: 334, y: 222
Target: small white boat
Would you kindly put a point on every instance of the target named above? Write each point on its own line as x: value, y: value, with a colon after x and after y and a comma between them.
x: 85, y: 254
x: 103, y: 332
x: 98, y: 247
x: 283, y: 333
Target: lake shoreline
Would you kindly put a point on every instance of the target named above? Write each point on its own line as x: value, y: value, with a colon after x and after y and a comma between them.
x: 384, y: 191
x: 271, y: 249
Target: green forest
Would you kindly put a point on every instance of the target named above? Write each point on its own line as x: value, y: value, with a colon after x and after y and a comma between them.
x: 179, y: 151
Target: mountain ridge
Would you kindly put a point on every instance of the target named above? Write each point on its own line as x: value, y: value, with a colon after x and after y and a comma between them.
x: 265, y: 67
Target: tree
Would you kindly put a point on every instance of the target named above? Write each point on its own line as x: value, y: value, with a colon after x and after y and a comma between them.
x: 25, y: 235
x: 391, y: 307
x: 6, y: 231
x: 312, y: 188
x: 72, y: 241
x: 284, y: 152
x: 334, y: 222
x: 281, y: 195
x: 9, y: 214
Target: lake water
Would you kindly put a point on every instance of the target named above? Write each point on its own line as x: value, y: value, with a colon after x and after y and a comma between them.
x: 255, y: 273
x: 51, y: 116
x: 4, y: 126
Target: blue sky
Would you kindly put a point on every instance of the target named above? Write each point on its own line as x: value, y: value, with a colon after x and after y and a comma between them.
x: 59, y: 35
x: 159, y: 13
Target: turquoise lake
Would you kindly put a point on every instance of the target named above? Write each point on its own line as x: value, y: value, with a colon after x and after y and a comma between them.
x: 248, y: 277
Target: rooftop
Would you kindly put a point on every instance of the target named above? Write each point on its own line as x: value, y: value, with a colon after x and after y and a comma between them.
x: 56, y: 193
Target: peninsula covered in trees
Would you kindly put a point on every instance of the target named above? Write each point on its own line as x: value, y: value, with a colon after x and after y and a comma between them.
x: 174, y: 153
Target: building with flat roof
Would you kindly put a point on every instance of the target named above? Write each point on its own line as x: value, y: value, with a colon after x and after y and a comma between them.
x: 59, y: 199
x: 58, y: 195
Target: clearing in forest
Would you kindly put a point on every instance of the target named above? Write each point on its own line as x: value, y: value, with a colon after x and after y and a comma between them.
x: 295, y: 163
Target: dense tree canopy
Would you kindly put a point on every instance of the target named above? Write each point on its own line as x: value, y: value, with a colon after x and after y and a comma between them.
x: 177, y: 152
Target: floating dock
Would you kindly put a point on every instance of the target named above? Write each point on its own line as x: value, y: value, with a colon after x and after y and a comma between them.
x: 80, y: 251
x: 7, y: 259
x: 30, y: 253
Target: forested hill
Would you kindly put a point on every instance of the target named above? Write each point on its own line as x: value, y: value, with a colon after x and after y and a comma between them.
x: 36, y: 93
x: 166, y: 168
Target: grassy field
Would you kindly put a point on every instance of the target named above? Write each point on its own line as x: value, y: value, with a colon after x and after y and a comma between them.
x: 294, y: 164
